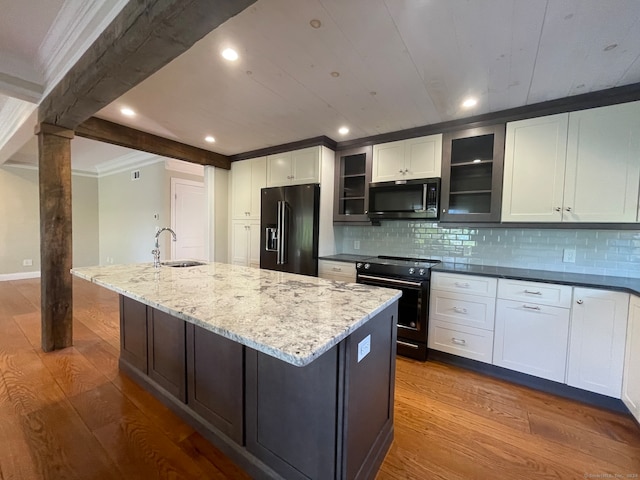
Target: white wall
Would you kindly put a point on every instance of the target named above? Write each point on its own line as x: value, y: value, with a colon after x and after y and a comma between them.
x: 130, y: 211
x: 20, y: 221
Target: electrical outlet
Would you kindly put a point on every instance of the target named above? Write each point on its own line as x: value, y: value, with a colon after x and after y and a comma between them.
x: 364, y: 347
x: 27, y: 262
x: 356, y: 244
x: 569, y: 255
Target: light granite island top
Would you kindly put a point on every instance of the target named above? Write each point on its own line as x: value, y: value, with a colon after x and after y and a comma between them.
x: 294, y: 318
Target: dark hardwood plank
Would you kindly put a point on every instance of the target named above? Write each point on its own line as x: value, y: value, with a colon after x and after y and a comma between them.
x: 211, y: 459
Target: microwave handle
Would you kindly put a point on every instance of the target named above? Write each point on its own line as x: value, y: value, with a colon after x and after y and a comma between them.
x: 424, y: 196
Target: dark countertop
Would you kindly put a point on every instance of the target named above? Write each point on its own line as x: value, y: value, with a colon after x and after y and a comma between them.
x: 628, y: 285
x: 622, y: 284
x: 345, y: 257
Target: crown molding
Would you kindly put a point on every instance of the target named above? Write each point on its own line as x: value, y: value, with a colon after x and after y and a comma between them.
x: 127, y: 162
x: 13, y: 114
x: 31, y: 166
x: 184, y: 167
x: 76, y: 27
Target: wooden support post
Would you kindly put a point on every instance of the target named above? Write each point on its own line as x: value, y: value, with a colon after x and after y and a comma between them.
x: 54, y: 153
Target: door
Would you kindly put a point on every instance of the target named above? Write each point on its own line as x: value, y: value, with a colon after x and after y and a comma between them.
x: 269, y: 226
x: 596, y: 345
x: 188, y: 219
x: 603, y: 171
x: 631, y: 378
x: 279, y: 170
x: 534, y: 163
x: 301, y: 238
x: 239, y: 243
x: 423, y: 157
x: 305, y: 166
x: 388, y: 161
x: 531, y: 339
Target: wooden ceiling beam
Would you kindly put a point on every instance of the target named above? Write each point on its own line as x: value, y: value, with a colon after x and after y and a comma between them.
x: 144, y: 36
x: 116, y: 134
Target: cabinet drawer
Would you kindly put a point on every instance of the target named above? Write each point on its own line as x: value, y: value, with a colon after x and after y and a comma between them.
x: 343, y: 271
x: 451, y: 282
x: 462, y: 309
x: 469, y: 342
x: 536, y: 292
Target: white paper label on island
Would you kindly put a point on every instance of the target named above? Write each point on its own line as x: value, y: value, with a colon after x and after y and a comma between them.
x: 364, y: 347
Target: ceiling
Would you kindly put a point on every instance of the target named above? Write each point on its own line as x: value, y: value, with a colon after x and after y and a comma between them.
x: 375, y: 66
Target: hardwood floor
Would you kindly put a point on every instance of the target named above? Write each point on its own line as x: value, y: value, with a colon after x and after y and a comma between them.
x: 71, y: 414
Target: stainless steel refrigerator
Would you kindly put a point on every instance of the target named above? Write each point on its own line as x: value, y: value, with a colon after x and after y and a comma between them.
x: 289, y: 218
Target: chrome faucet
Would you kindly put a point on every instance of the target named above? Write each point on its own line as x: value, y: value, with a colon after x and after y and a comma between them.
x: 156, y: 251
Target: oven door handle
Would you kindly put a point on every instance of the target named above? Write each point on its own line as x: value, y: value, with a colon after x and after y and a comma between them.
x: 393, y: 281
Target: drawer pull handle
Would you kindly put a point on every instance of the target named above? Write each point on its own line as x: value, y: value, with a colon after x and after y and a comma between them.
x: 336, y: 269
x: 579, y: 302
x: 529, y: 307
x: 458, y: 341
x: 462, y: 285
x: 532, y: 292
x: 459, y: 310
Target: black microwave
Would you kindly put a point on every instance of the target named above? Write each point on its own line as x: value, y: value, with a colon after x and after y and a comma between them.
x: 417, y: 199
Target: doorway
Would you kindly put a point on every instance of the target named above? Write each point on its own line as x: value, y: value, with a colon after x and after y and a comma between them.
x: 188, y: 219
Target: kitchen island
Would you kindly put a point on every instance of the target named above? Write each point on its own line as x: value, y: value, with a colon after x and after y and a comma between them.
x: 291, y: 376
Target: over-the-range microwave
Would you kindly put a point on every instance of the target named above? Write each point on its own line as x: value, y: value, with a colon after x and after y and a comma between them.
x: 416, y: 199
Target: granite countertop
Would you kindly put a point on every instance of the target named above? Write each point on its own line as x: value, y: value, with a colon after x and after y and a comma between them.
x: 294, y: 318
x: 629, y: 285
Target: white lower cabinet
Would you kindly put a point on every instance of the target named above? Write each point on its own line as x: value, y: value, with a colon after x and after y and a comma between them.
x: 631, y: 376
x: 597, y: 340
x: 461, y: 323
x: 245, y: 243
x: 531, y: 337
x: 468, y: 342
x: 341, y: 271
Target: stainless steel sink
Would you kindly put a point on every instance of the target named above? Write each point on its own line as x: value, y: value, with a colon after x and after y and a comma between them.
x: 182, y: 263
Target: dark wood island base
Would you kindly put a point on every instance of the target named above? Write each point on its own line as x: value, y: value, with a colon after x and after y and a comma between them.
x: 331, y: 419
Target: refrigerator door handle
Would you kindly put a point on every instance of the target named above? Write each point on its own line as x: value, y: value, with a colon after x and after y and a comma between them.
x: 279, y: 233
x: 283, y: 231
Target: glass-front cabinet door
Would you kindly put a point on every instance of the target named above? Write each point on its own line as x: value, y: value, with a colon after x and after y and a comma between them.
x: 353, y: 174
x: 472, y: 165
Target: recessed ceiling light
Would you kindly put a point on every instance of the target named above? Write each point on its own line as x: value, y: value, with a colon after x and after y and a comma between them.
x: 230, y: 54
x: 469, y: 102
x: 127, y: 111
x: 315, y: 23
x: 335, y: 74
x: 343, y: 130
x: 209, y: 139
x: 610, y: 47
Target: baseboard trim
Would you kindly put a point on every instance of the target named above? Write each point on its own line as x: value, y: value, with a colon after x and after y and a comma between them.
x: 5, y: 277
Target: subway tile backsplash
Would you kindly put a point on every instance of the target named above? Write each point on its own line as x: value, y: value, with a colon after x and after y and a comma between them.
x: 600, y: 252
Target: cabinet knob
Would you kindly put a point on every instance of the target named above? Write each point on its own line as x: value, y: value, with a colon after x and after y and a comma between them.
x: 557, y: 209
x: 568, y: 209
x: 579, y: 302
x: 400, y: 171
x: 406, y: 170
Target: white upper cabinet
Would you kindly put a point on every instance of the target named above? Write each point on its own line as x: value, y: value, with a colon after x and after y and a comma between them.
x: 534, y: 164
x: 294, y: 168
x: 578, y: 167
x: 419, y: 157
x: 597, y: 340
x: 631, y: 377
x: 603, y: 165
x: 247, y: 178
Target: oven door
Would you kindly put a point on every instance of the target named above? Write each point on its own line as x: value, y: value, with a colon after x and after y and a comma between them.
x: 412, y: 309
